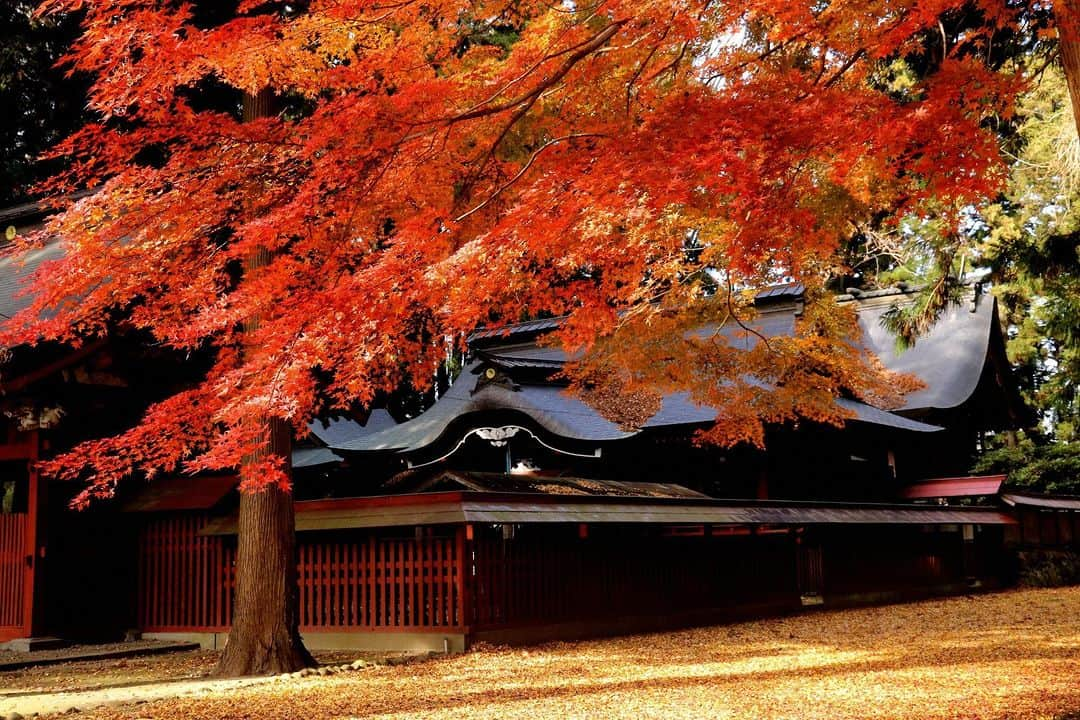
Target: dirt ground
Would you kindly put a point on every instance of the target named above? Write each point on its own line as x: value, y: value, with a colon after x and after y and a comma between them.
x: 1011, y: 655
x: 123, y: 672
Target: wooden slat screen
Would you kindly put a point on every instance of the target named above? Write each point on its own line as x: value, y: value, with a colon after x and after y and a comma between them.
x: 352, y: 580
x: 379, y: 583
x: 12, y: 568
x: 549, y: 575
x: 185, y: 580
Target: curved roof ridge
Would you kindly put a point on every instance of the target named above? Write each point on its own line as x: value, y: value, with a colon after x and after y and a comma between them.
x: 550, y: 408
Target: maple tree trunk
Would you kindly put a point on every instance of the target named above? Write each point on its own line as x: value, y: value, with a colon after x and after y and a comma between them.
x: 265, y: 634
x: 1068, y: 22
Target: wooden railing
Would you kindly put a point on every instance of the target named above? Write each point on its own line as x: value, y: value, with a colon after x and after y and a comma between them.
x: 347, y: 581
x: 379, y: 583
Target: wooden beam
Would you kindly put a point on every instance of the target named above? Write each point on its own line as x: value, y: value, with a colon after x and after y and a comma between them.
x: 18, y: 383
x: 19, y: 451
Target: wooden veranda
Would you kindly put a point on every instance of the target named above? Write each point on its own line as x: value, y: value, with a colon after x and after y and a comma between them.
x: 447, y: 569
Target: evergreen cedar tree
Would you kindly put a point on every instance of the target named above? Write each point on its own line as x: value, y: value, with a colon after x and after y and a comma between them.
x: 432, y: 166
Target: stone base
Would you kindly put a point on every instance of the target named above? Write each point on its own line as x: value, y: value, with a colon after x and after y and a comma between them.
x: 416, y: 642
x: 35, y: 643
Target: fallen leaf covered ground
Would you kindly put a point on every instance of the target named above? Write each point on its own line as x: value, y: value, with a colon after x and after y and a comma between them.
x: 1012, y: 655
x: 84, y: 675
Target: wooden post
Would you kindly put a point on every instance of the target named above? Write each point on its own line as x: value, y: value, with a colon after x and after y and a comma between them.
x: 37, y: 513
x: 763, y: 484
x: 464, y: 580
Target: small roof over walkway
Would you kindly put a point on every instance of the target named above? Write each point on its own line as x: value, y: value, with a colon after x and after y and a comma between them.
x: 510, y: 508
x: 1043, y: 502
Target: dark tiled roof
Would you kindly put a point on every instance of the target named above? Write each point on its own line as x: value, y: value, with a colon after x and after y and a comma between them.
x: 567, y: 417
x: 529, y: 327
x: 34, y: 210
x: 419, y: 481
x: 335, y: 431
x: 513, y: 331
x: 791, y: 290
x: 314, y: 457
x: 15, y: 270
x: 546, y: 405
x: 561, y: 414
x: 770, y: 323
x: 512, y: 362
x: 1047, y: 502
x: 949, y: 359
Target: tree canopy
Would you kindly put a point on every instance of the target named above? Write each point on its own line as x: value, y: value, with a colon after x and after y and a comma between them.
x: 437, y: 165
x: 1023, y: 241
x: 1031, y: 238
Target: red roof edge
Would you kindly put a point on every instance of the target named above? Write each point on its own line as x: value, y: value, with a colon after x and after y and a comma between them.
x: 954, y: 487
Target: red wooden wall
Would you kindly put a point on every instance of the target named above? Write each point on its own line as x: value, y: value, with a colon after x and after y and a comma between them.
x: 393, y: 580
x: 892, y: 558
x: 551, y: 574
x: 12, y: 573
x: 1041, y: 528
x: 347, y: 581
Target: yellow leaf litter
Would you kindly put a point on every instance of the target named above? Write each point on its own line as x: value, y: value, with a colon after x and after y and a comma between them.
x: 1013, y: 654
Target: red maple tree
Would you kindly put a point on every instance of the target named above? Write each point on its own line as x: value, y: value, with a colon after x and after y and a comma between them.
x: 434, y: 165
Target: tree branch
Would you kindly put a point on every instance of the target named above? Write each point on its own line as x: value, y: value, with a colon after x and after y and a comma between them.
x: 525, y: 168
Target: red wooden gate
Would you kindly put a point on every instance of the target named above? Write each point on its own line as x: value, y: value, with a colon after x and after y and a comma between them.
x: 13, y: 574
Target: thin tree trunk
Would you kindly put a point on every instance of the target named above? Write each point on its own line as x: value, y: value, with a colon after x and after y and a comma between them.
x: 1067, y: 16
x: 265, y: 634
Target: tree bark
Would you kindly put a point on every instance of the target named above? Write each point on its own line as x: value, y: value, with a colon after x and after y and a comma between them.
x: 1067, y: 16
x: 265, y: 634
